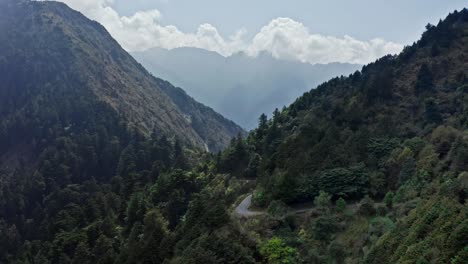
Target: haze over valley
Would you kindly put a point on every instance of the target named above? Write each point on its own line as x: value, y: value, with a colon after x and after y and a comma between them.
x: 239, y: 87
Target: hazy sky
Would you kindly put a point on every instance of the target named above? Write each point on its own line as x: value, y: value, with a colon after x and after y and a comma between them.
x: 314, y: 31
x: 396, y: 20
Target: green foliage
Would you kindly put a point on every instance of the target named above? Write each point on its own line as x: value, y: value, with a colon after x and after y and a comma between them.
x: 260, y: 198
x: 340, y: 205
x: 336, y: 253
x: 366, y: 206
x: 236, y: 158
x: 461, y: 257
x: 82, y: 254
x: 424, y: 80
x: 277, y: 209
x: 277, y: 252
x: 252, y: 168
x: 219, y: 247
x: 324, y: 227
x: 347, y: 182
x: 439, y: 222
x: 388, y: 199
x: 323, y: 201
x: 432, y: 112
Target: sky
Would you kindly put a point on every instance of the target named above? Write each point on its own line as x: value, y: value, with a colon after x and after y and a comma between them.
x: 313, y: 31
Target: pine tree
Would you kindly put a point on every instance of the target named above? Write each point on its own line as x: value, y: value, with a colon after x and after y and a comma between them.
x: 262, y: 127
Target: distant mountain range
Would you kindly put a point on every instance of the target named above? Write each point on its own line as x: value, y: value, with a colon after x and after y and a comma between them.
x: 240, y: 87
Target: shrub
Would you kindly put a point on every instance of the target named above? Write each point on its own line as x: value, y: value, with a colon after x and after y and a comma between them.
x: 277, y: 208
x: 462, y: 257
x: 276, y: 251
x: 388, y: 199
x: 381, y: 210
x: 340, y: 205
x: 324, y: 227
x: 366, y: 206
x: 323, y: 201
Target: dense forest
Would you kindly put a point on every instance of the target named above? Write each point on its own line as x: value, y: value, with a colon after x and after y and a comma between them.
x: 380, y: 158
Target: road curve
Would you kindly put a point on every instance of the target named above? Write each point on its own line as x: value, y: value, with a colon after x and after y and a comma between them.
x: 243, y: 209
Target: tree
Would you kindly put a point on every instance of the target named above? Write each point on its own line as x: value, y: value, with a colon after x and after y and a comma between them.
x: 276, y: 115
x: 277, y: 252
x: 432, y: 112
x: 381, y: 87
x: 180, y: 161
x: 366, y: 206
x: 424, y: 80
x: 407, y: 170
x: 252, y: 168
x: 154, y: 233
x: 324, y: 227
x: 323, y: 201
x: 388, y: 199
x: 462, y: 256
x: 82, y: 254
x: 262, y: 127
x: 337, y: 253
x: 340, y: 205
x: 103, y: 251
x: 135, y: 211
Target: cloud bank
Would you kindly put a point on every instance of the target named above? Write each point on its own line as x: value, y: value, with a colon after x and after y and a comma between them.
x: 284, y: 38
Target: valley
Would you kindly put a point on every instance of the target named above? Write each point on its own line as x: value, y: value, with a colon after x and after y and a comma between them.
x: 102, y: 162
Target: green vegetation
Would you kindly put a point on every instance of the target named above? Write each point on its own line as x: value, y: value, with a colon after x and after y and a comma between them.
x: 277, y: 252
x: 82, y: 183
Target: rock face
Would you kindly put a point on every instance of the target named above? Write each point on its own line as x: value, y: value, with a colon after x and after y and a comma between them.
x: 54, y: 49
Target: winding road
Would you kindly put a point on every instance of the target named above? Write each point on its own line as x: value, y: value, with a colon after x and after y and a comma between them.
x: 243, y: 209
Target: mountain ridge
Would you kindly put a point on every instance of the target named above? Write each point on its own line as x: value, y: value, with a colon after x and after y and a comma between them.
x: 98, y: 62
x: 260, y: 83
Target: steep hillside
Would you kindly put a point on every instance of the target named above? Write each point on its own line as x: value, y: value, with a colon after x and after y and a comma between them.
x: 259, y: 84
x: 361, y: 120
x: 381, y: 156
x: 85, y: 134
x: 53, y: 48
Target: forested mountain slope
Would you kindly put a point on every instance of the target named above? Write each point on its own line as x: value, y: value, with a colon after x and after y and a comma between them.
x: 85, y: 132
x: 360, y: 122
x: 396, y: 133
x: 48, y: 48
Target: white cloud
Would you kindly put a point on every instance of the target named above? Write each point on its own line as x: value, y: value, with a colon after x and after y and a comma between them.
x: 286, y: 38
x: 283, y: 37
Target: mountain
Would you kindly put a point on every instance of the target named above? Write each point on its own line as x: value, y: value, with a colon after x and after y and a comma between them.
x: 369, y: 168
x: 259, y: 84
x: 84, y: 128
x: 379, y: 161
x: 53, y: 49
